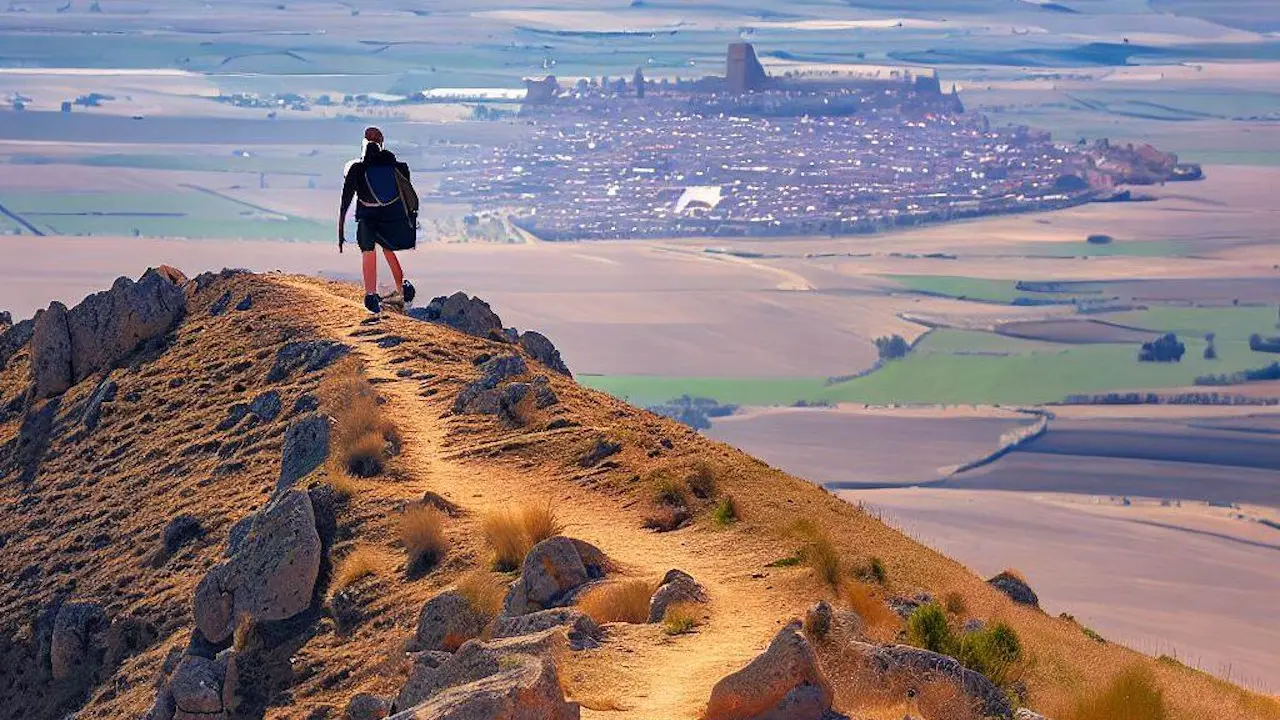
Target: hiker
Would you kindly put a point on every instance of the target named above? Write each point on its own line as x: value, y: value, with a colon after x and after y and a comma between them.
x: 386, y: 215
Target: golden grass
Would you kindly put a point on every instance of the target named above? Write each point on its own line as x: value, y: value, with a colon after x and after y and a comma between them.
x: 362, y: 562
x: 626, y: 601
x: 510, y: 535
x: 681, y: 618
x: 344, y: 485
x: 879, y: 622
x: 422, y: 532
x: 702, y: 480
x: 818, y: 552
x: 1132, y: 695
x: 484, y: 592
x: 955, y: 604
x: 362, y: 434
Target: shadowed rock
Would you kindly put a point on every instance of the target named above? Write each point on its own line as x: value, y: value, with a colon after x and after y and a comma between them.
x: 104, y: 393
x: 544, y: 351
x: 266, y: 406
x: 51, y: 352
x: 583, y: 632
x: 551, y: 572
x: 271, y: 577
x: 306, y: 355
x: 13, y: 339
x: 459, y: 311
x: 897, y: 662
x: 1016, y: 588
x: 306, y: 447
x: 783, y: 683
x: 676, y: 587
x: 446, y: 621
x: 180, y: 531
x: 367, y: 707
x: 77, y: 640
x: 484, y: 394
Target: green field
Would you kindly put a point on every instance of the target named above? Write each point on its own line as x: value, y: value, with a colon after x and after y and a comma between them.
x: 979, y: 289
x: 178, y: 215
x: 958, y: 367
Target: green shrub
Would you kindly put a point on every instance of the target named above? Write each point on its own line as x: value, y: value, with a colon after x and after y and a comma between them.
x: 1089, y: 633
x: 928, y: 628
x: 788, y: 561
x: 993, y: 651
x: 873, y: 572
x: 818, y: 552
x: 1132, y: 695
x: 667, y: 491
x: 726, y: 512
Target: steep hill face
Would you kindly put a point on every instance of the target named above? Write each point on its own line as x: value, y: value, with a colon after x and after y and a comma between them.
x: 180, y: 537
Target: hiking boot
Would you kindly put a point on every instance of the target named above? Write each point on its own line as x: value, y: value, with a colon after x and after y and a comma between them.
x: 373, y: 303
x: 410, y: 292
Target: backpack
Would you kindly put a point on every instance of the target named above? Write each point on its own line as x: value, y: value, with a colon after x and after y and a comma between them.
x: 390, y: 186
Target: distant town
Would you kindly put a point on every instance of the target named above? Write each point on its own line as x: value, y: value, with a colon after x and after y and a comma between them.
x: 752, y: 155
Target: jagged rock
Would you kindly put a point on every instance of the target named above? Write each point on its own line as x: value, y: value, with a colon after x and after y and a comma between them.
x: 237, y: 534
x: 525, y: 688
x: 367, y: 707
x: 6, y: 320
x: 219, y: 306
x: 306, y: 447
x: 205, y: 279
x: 305, y: 404
x: 271, y: 577
x: 550, y: 574
x: 472, y: 316
x: 266, y: 406
x: 1016, y: 588
x: 446, y: 621
x: 107, y: 326
x: 917, y: 665
x: 583, y: 632
x: 783, y: 683
x: 14, y: 338
x: 104, y: 393
x: 543, y: 394
x: 306, y: 355
x: 51, y: 352
x: 235, y: 414
x: 544, y: 351
x: 1025, y: 714
x: 180, y: 531
x: 245, y: 303
x: 432, y: 673
x: 196, y: 688
x: 676, y: 587
x: 77, y: 639
x: 482, y: 395
x: 599, y: 452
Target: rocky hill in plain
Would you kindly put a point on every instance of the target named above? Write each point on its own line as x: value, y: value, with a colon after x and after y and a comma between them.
x: 241, y: 496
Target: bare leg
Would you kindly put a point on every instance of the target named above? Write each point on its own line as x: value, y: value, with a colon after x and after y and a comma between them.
x: 369, y: 263
x: 397, y: 273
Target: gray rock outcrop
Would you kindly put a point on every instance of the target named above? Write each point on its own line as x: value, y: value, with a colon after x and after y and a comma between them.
x: 1025, y: 714
x: 484, y: 395
x: 551, y: 574
x: 51, y: 352
x: 544, y: 351
x: 77, y: 641
x: 104, y: 393
x: 783, y: 683
x: 889, y: 662
x: 367, y: 707
x: 446, y: 621
x: 13, y: 339
x: 271, y: 577
x: 307, y: 356
x: 1016, y: 588
x: 676, y: 587
x: 583, y: 632
x: 526, y: 687
x: 459, y: 311
x: 306, y: 448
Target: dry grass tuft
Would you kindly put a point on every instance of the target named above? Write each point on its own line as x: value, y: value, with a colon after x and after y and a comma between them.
x: 890, y: 696
x: 626, y: 601
x: 484, y: 592
x: 344, y: 486
x: 681, y: 618
x: 818, y: 552
x: 1132, y: 695
x: 422, y: 532
x: 878, y: 620
x: 702, y: 481
x: 510, y: 535
x: 726, y: 512
x: 955, y: 604
x: 363, y: 438
x: 363, y: 561
x: 669, y: 492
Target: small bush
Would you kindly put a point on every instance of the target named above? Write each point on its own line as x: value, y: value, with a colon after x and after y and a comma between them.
x: 344, y: 486
x: 667, y: 491
x: 361, y: 562
x: 422, y: 532
x: 702, y: 481
x: 819, y: 553
x: 928, y: 628
x: 994, y: 651
x: 626, y: 601
x: 681, y: 618
x: 510, y: 535
x: 362, y: 437
x: 789, y: 561
x: 955, y: 604
x: 1132, y: 695
x: 1089, y: 633
x: 726, y: 512
x: 873, y: 571
x: 484, y: 592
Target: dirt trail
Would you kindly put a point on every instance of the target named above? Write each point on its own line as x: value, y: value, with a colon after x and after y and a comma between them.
x: 641, y: 672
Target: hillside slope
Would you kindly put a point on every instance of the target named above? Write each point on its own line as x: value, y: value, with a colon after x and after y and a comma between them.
x: 87, y: 505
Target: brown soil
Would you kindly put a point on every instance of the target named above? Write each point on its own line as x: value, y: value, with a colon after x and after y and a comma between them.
x: 84, y: 519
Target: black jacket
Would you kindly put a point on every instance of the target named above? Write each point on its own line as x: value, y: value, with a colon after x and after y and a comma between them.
x: 356, y: 185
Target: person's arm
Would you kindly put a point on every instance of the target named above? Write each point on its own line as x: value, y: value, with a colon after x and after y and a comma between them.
x: 404, y: 168
x: 348, y: 194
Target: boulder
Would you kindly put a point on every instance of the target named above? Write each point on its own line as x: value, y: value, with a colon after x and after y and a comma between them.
x: 525, y: 688
x: 544, y: 396
x: 108, y: 326
x: 196, y: 688
x: 104, y: 393
x: 13, y: 339
x: 367, y: 707
x: 676, y: 587
x: 271, y: 577
x: 266, y: 406
x: 601, y: 450
x: 459, y: 311
x: 219, y: 306
x: 483, y: 395
x: 446, y: 621
x: 889, y: 662
x: 1016, y: 588
x: 544, y: 351
x: 51, y: 352
x: 550, y: 574
x: 306, y: 448
x: 583, y: 632
x: 77, y: 643
x: 246, y: 303
x: 783, y: 683
x: 432, y: 673
x: 306, y: 355
x: 180, y: 531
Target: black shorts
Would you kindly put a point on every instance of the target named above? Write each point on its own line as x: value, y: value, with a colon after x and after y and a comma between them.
x: 397, y: 234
